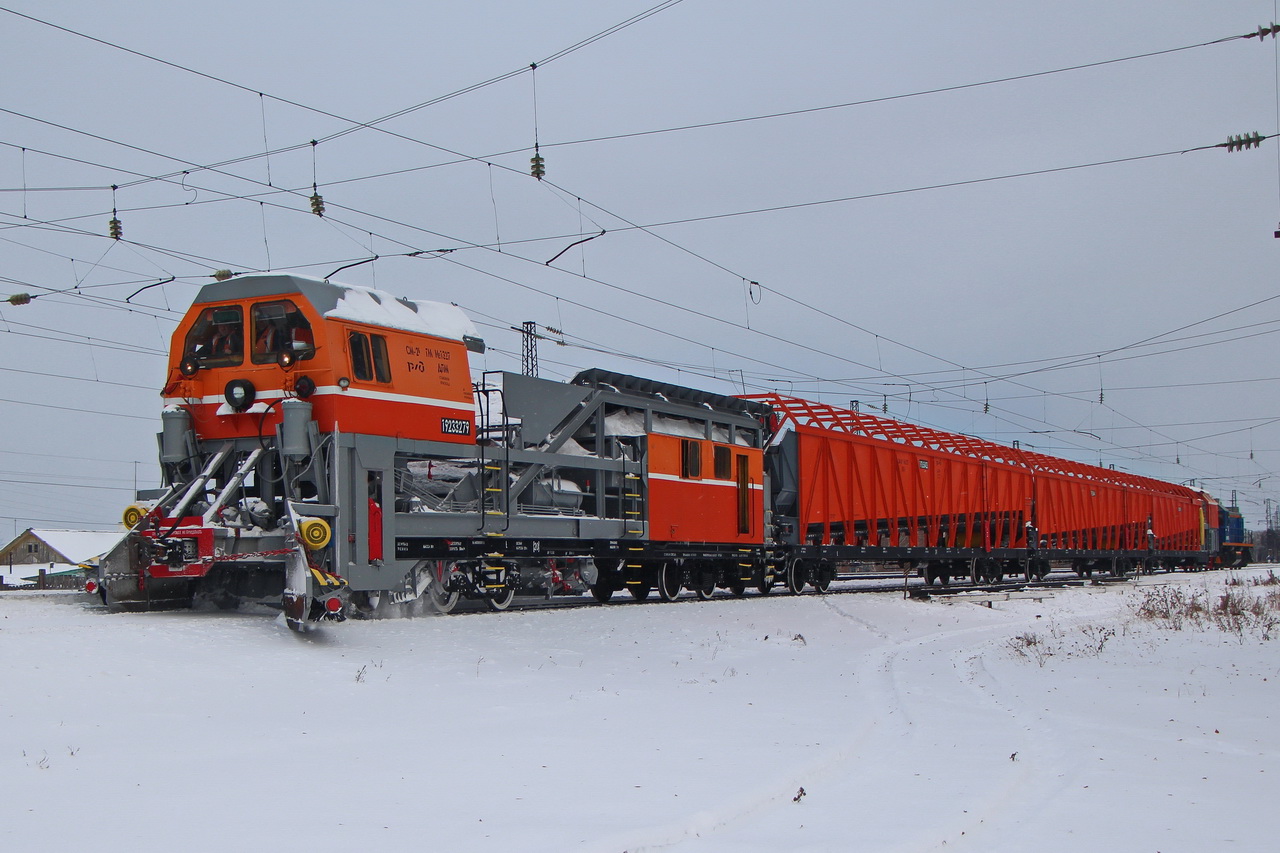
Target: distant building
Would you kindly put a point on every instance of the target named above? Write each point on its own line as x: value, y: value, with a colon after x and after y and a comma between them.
x: 62, y: 554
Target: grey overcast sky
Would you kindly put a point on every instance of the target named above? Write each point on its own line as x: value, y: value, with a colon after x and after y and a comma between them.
x: 1049, y: 258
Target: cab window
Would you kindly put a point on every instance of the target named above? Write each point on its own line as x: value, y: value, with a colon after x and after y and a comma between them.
x: 278, y: 327
x: 217, y: 338
x: 369, y: 361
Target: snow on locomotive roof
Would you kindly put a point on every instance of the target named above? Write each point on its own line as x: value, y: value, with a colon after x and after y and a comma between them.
x: 349, y: 302
x: 365, y: 305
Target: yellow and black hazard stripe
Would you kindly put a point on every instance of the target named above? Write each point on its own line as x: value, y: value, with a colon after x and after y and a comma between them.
x: 327, y: 581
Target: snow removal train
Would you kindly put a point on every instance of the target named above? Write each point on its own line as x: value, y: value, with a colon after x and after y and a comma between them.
x: 324, y: 448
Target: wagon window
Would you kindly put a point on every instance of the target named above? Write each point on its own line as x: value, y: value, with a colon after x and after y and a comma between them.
x: 690, y: 459
x: 723, y: 464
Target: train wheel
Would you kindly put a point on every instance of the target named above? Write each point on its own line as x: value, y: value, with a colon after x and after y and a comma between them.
x: 601, y: 592
x: 797, y: 575
x: 738, y: 588
x: 707, y: 590
x: 930, y: 575
x: 765, y: 584
x: 639, y: 591
x: 974, y: 572
x: 669, y: 582
x: 502, y: 600
x: 822, y: 577
x: 441, y: 599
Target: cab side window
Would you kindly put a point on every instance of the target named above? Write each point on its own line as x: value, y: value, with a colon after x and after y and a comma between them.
x: 381, y: 363
x: 369, y: 360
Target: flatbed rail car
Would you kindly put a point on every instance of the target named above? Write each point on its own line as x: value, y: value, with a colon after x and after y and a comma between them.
x: 326, y: 448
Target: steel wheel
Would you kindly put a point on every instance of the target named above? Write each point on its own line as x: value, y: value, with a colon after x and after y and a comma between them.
x: 821, y: 579
x: 705, y: 592
x: 738, y: 588
x: 502, y: 600
x: 601, y: 592
x: 765, y: 584
x: 797, y: 575
x: 639, y: 591
x: 441, y: 600
x: 668, y: 582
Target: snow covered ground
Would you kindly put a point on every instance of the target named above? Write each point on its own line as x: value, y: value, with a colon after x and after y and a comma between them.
x: 838, y: 723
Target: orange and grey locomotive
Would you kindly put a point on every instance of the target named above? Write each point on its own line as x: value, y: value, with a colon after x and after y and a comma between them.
x: 327, y: 449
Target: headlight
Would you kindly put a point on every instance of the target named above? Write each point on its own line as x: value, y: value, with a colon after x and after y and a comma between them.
x: 239, y: 394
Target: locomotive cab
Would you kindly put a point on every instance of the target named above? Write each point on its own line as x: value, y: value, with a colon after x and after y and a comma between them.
x: 280, y: 389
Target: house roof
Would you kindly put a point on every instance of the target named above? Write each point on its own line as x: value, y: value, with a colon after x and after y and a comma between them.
x: 77, y: 546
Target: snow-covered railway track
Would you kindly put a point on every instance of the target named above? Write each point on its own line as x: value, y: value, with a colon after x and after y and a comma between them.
x: 878, y: 582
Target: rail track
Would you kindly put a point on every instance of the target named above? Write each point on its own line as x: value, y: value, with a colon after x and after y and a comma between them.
x: 914, y: 587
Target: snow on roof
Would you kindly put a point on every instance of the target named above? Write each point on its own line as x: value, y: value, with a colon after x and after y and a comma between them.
x: 348, y: 302
x: 377, y: 308
x: 80, y: 546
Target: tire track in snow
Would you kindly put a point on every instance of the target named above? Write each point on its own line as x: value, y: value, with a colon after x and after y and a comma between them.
x: 1041, y: 767
x: 898, y: 713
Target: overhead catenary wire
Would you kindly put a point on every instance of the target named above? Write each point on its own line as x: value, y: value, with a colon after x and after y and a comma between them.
x: 852, y: 198
x: 655, y: 225
x: 867, y: 365
x: 356, y: 125
x: 374, y: 123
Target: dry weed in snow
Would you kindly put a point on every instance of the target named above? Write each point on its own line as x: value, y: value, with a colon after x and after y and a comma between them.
x: 1237, y: 608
